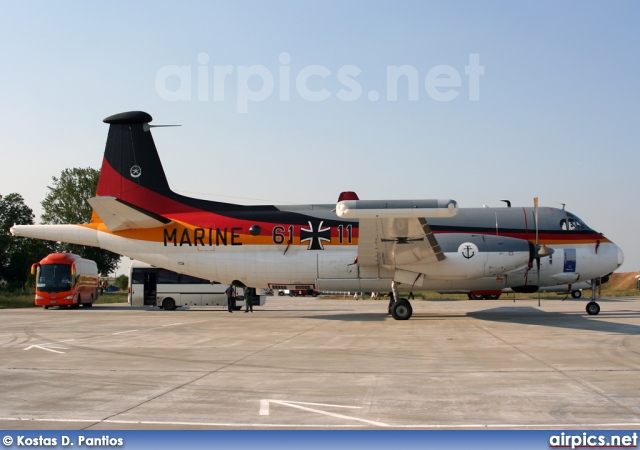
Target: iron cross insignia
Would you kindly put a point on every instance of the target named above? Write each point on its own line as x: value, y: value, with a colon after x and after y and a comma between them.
x: 315, y: 236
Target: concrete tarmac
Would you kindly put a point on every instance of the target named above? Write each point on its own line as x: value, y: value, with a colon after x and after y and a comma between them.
x: 303, y: 363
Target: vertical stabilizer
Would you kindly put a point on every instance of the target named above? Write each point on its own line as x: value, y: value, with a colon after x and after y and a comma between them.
x: 131, y: 168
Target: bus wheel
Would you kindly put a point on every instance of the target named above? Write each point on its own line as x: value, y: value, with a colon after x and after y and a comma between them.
x: 45, y: 307
x: 168, y: 304
x: 76, y: 305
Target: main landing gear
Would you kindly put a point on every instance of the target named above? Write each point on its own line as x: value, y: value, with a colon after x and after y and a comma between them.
x: 401, y: 308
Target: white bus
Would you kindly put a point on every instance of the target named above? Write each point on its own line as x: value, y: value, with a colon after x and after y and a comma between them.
x: 154, y: 286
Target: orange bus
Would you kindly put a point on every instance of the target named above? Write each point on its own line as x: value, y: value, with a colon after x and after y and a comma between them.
x: 65, y: 279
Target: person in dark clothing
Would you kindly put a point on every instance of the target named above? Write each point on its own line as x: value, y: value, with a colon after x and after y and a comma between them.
x: 231, y: 298
x: 248, y: 299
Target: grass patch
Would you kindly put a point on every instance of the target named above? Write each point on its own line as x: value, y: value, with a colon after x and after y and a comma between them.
x: 586, y: 294
x: 16, y: 300
x: 27, y: 300
x: 112, y: 297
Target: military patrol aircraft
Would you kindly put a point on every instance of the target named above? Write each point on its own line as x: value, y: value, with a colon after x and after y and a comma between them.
x: 354, y: 245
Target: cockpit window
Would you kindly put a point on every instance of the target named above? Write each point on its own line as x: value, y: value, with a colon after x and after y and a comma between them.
x: 572, y: 223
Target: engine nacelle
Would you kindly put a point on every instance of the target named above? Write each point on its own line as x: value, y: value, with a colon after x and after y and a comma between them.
x: 469, y: 256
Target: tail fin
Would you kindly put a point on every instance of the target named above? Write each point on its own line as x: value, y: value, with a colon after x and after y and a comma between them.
x: 133, y: 174
x: 131, y: 166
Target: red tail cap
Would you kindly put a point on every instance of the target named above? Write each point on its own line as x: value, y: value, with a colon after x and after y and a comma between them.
x: 348, y: 195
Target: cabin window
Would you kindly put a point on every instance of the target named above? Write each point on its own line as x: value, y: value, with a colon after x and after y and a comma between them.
x: 572, y: 223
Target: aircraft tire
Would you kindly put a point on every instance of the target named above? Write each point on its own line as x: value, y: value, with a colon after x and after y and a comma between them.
x: 576, y: 294
x: 592, y: 308
x: 168, y: 304
x: 401, y: 309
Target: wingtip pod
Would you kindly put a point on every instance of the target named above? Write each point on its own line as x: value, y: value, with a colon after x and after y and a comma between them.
x: 371, y: 209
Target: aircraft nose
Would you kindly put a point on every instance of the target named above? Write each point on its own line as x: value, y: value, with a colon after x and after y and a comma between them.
x: 620, y: 256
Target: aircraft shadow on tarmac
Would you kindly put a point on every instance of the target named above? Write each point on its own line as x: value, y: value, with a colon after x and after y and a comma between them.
x: 527, y: 315
x: 351, y: 317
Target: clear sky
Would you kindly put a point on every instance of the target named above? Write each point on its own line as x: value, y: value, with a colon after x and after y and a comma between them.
x: 294, y: 102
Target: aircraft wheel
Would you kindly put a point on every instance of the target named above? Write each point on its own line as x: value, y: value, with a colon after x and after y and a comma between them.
x: 401, y: 309
x: 593, y: 308
x: 576, y: 294
x: 168, y: 304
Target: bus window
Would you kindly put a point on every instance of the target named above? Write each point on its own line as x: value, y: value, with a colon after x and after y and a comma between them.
x: 167, y: 277
x: 188, y: 279
x: 54, y: 277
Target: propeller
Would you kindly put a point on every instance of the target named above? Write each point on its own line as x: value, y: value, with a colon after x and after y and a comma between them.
x: 541, y: 250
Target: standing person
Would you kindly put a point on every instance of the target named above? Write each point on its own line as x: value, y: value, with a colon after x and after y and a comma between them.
x: 248, y: 299
x: 231, y: 297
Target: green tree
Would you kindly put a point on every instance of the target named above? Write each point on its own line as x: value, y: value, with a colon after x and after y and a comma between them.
x: 122, y: 281
x: 17, y: 254
x: 66, y: 203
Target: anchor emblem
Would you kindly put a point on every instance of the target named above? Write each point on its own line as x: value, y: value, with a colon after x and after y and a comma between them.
x: 468, y: 252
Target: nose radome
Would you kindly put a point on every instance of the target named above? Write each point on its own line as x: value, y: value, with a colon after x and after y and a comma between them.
x: 620, y: 256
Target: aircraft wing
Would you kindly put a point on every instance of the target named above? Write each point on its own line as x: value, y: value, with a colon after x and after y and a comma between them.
x: 119, y: 215
x: 397, y: 241
x: 396, y: 232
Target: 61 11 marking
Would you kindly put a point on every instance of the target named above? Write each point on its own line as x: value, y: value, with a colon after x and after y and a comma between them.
x: 279, y: 235
x: 341, y: 230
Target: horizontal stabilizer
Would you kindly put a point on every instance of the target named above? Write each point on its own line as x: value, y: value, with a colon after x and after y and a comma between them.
x: 118, y: 215
x: 73, y: 234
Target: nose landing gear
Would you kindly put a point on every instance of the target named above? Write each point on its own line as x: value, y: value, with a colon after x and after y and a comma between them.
x: 592, y: 307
